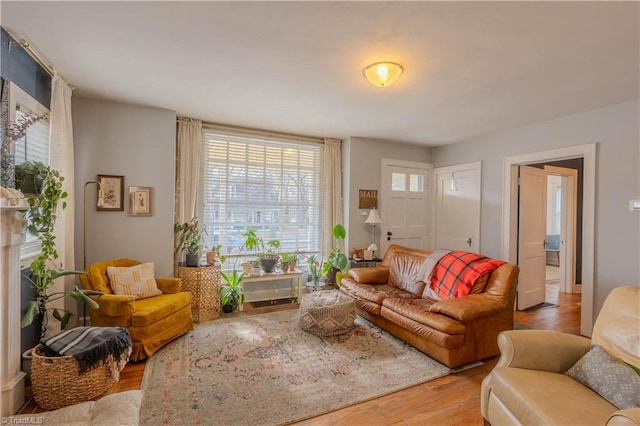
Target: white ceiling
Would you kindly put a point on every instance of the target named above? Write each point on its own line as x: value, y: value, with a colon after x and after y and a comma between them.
x: 471, y: 68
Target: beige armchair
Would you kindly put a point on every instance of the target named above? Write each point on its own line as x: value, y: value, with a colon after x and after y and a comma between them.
x: 528, y: 386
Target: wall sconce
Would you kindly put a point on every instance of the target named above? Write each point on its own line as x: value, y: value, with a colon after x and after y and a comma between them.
x: 382, y: 74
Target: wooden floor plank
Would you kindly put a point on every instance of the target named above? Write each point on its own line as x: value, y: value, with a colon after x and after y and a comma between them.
x: 450, y: 400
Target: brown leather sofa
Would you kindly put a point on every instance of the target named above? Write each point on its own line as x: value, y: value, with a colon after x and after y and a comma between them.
x: 455, y: 331
x: 528, y: 387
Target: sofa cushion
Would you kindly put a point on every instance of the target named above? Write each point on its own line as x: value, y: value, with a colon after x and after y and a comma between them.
x: 138, y: 281
x: 151, y: 310
x: 374, y: 292
x: 542, y: 397
x: 418, y: 310
x: 611, y: 378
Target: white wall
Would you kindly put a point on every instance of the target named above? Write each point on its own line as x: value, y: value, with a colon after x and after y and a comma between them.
x: 616, y: 130
x: 362, y: 169
x: 139, y: 143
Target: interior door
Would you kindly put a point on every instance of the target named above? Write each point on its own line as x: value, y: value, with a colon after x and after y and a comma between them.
x: 532, y: 212
x: 457, y: 207
x: 405, y: 200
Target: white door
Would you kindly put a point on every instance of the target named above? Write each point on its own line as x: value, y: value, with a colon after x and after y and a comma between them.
x: 405, y: 204
x: 457, y: 207
x: 532, y: 257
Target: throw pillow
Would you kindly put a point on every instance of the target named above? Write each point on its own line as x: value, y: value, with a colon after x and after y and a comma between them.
x: 610, y: 378
x: 138, y: 281
x: 456, y: 273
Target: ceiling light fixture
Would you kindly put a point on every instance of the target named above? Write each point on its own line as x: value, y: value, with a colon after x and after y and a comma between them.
x: 382, y: 74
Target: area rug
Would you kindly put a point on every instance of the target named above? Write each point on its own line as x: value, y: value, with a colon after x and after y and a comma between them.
x: 264, y: 370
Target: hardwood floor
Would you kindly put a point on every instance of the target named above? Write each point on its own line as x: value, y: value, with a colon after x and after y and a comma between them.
x: 450, y: 400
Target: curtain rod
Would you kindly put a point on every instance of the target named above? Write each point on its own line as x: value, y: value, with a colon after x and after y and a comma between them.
x: 27, y: 46
x: 260, y: 132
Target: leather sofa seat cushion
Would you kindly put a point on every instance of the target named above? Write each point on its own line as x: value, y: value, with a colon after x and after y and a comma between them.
x: 418, y: 310
x: 541, y: 397
x: 430, y: 334
x: 151, y: 310
x: 375, y: 293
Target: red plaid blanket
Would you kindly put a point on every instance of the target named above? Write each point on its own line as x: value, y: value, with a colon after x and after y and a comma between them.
x: 456, y: 272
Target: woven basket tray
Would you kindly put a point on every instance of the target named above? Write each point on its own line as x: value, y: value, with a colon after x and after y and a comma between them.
x: 56, y: 382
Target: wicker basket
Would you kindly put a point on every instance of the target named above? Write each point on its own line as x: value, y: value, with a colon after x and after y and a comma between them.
x: 56, y: 382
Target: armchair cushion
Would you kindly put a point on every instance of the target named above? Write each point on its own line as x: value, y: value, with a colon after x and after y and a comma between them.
x: 138, y: 280
x: 612, y: 379
x: 149, y: 311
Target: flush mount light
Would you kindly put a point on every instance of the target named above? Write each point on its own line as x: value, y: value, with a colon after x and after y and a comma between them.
x: 382, y: 74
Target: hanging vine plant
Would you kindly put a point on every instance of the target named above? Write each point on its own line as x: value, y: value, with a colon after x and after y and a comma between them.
x: 45, y: 269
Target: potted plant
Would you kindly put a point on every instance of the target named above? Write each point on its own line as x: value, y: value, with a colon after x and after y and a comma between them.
x: 30, y: 175
x: 44, y: 270
x: 286, y: 260
x: 337, y: 261
x: 268, y: 258
x: 231, y: 292
x: 314, y: 271
x: 215, y: 252
x: 189, y: 240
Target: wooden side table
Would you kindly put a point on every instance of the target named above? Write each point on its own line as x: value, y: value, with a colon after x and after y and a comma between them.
x: 204, y: 284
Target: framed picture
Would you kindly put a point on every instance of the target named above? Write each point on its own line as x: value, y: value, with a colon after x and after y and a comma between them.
x: 111, y: 193
x: 139, y: 201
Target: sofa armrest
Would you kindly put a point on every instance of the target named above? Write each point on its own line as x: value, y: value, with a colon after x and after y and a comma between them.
x: 377, y: 275
x: 626, y: 417
x: 115, y: 305
x: 544, y: 350
x: 169, y: 285
x: 469, y: 307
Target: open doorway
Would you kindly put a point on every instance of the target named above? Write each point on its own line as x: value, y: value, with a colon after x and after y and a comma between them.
x: 510, y: 217
x: 563, y: 241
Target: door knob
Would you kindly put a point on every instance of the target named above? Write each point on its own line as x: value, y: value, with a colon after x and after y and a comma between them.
x: 389, y: 234
x: 469, y: 241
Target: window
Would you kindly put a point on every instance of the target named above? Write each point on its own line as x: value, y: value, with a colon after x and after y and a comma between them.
x: 34, y: 146
x: 271, y: 187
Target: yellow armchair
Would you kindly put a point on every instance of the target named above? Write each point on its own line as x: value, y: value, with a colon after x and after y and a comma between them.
x: 152, y: 322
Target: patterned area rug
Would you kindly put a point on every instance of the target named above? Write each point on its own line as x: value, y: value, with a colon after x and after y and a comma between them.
x: 263, y: 369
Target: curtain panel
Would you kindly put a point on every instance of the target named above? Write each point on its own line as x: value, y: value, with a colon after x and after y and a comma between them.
x: 333, y: 202
x: 61, y: 158
x: 189, y: 165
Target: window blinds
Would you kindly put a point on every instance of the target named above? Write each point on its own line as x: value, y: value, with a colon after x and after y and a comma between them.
x: 271, y: 187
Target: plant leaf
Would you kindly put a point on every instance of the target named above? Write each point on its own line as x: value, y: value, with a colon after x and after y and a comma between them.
x: 33, y: 310
x: 82, y: 297
x: 65, y: 319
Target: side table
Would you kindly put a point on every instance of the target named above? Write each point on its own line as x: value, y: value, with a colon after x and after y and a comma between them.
x: 204, y: 284
x: 359, y: 263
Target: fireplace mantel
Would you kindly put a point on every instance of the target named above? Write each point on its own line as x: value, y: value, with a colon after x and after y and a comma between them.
x: 12, y: 236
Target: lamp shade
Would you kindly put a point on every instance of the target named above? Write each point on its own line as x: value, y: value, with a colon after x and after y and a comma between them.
x: 374, y: 217
x: 382, y: 74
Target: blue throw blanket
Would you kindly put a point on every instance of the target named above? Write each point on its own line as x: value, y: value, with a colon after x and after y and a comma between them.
x: 90, y: 346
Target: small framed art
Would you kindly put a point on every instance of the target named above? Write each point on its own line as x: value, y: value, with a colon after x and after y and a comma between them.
x: 140, y: 201
x: 110, y: 195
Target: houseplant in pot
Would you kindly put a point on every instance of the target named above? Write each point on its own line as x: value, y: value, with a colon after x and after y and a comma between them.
x: 188, y: 240
x: 231, y: 292
x: 337, y: 261
x: 45, y: 269
x: 268, y: 258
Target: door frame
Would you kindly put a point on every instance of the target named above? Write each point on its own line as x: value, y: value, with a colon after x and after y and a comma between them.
x: 476, y: 166
x: 510, y: 215
x: 384, y: 194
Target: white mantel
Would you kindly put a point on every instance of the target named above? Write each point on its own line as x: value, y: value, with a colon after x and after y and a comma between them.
x: 12, y: 236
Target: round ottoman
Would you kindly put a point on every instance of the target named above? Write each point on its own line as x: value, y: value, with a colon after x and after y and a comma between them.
x: 327, y: 313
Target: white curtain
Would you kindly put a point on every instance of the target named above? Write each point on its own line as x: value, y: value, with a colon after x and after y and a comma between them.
x: 61, y: 158
x: 333, y: 205
x: 189, y: 164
